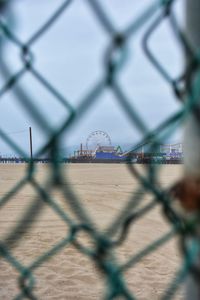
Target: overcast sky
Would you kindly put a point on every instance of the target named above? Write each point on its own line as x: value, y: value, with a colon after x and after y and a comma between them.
x: 70, y: 55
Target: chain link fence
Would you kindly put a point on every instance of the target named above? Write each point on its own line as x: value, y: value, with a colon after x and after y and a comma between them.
x: 105, y: 243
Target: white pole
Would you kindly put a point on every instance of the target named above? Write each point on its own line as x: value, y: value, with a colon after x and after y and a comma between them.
x: 192, y: 132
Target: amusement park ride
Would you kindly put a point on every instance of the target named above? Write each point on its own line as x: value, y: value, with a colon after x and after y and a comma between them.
x: 99, y: 148
x: 97, y: 142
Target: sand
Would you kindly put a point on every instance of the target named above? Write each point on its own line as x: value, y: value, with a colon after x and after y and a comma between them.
x: 104, y: 190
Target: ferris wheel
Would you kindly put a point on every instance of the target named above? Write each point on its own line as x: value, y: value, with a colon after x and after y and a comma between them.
x: 97, y: 138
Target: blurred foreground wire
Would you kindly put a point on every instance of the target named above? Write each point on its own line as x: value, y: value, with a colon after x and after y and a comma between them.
x: 103, y: 254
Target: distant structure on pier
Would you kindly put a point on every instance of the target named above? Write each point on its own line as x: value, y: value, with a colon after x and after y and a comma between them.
x: 99, y: 148
x: 172, y: 148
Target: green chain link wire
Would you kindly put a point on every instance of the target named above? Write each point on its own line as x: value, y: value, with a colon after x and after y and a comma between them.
x: 105, y: 244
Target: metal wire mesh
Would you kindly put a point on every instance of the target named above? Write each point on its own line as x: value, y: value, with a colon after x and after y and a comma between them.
x: 105, y: 244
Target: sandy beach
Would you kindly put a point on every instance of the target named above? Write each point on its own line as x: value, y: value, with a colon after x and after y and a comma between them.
x: 103, y: 190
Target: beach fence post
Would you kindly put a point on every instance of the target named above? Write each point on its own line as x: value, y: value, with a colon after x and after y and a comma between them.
x: 31, y: 143
x: 192, y: 13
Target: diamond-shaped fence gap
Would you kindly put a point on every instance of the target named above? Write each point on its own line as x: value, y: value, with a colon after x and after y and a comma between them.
x: 135, y: 206
x: 105, y: 204
x: 69, y: 273
x: 123, y: 131
x: 149, y: 212
x: 48, y: 232
x: 62, y: 70
x: 17, y: 203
